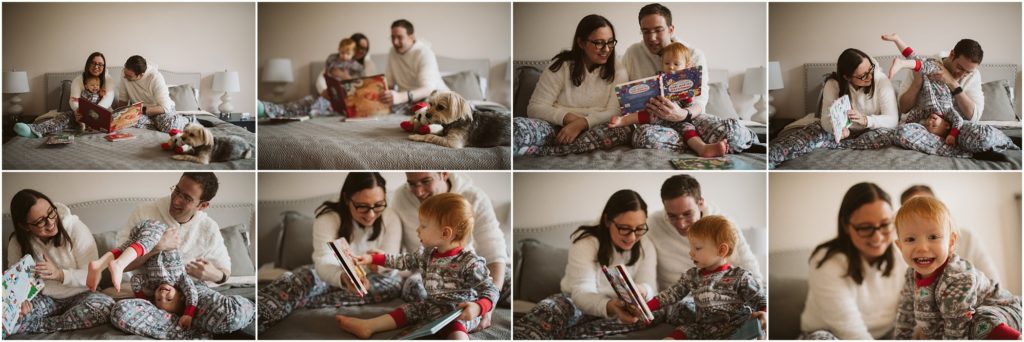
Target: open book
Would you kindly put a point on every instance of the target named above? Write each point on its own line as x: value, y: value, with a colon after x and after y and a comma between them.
x: 624, y: 286
x: 429, y: 328
x: 101, y: 119
x: 20, y: 284
x: 633, y: 96
x: 358, y: 97
x: 354, y: 272
x: 837, y: 112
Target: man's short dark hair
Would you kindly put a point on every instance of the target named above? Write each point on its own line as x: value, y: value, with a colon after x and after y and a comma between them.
x: 207, y: 181
x: 656, y: 8
x: 969, y: 48
x: 678, y: 186
x: 403, y: 24
x: 915, y: 189
x: 136, y: 64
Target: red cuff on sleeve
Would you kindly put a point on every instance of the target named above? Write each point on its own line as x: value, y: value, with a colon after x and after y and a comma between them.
x: 765, y: 309
x: 1003, y: 332
x: 687, y: 135
x: 485, y: 305
x: 907, y: 52
x: 140, y: 294
x: 399, y: 316
x: 116, y: 252
x: 917, y: 66
x: 139, y: 250
x: 678, y: 335
x: 190, y: 311
x: 954, y: 132
x: 378, y: 259
x: 654, y: 304
x: 643, y: 117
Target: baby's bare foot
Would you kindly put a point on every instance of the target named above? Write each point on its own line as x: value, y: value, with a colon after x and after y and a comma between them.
x: 354, y: 325
x: 92, y: 278
x: 717, y: 149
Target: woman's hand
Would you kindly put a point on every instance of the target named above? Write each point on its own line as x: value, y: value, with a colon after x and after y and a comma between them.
x: 763, y: 317
x: 569, y: 132
x: 46, y: 269
x: 857, y: 117
x: 846, y: 133
x: 470, y: 311
x: 617, y: 308
x: 666, y: 109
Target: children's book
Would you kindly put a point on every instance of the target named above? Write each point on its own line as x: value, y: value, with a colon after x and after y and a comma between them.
x: 699, y: 163
x: 119, y: 136
x: 101, y: 119
x: 20, y: 284
x: 429, y: 328
x: 61, y: 139
x: 289, y: 119
x: 358, y: 97
x: 354, y: 272
x: 837, y: 112
x: 633, y: 96
x: 624, y: 286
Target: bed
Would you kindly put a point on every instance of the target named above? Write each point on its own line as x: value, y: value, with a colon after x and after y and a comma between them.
x: 285, y: 238
x: 621, y: 158
x: 105, y: 217
x: 1000, y: 111
x: 92, y: 152
x: 327, y: 143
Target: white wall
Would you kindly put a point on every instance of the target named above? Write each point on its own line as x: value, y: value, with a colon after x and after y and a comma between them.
x: 74, y: 187
x: 805, y: 205
x: 182, y: 37
x: 547, y: 198
x: 802, y: 33
x: 299, y: 185
x: 308, y: 32
x: 730, y: 34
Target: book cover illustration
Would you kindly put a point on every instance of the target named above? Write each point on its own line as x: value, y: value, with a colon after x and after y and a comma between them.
x: 837, y: 112
x: 683, y: 84
x: 20, y: 284
x: 699, y: 163
x: 429, y: 328
x: 104, y: 120
x: 343, y: 251
x: 60, y: 139
x: 625, y: 288
x: 633, y: 96
x: 359, y: 97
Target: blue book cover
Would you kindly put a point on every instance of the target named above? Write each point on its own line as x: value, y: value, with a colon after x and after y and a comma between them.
x: 633, y: 96
x: 430, y: 328
x: 682, y: 84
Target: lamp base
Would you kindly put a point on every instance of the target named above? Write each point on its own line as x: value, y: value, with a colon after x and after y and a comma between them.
x: 14, y: 107
x: 771, y: 108
x: 225, y: 105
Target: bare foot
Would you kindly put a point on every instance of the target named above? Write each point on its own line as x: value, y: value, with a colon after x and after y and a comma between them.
x: 354, y: 325
x: 717, y: 149
x: 899, y: 64
x: 115, y: 274
x: 92, y: 279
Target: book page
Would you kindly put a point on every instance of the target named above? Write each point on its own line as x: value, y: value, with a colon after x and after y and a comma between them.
x: 837, y: 113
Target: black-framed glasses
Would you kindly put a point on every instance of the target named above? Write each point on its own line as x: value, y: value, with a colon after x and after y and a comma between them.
x: 363, y: 208
x: 655, y: 30
x: 625, y: 230
x: 42, y: 222
x: 97, y: 64
x: 601, y: 44
x: 866, y: 231
x: 866, y: 75
x: 185, y: 197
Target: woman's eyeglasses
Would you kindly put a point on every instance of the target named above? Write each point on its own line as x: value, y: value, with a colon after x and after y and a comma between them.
x: 867, y: 231
x: 363, y: 208
x: 866, y: 75
x: 42, y: 222
x: 625, y: 230
x: 601, y: 44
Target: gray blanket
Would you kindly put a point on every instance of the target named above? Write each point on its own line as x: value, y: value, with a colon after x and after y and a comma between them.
x: 328, y: 143
x: 91, y: 151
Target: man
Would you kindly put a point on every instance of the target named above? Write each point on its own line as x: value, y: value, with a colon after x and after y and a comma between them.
x: 959, y: 72
x: 488, y: 241
x: 412, y: 68
x: 195, y: 235
x: 143, y: 83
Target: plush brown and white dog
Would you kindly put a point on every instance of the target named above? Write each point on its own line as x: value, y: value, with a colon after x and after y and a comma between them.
x: 462, y: 127
x: 206, y: 147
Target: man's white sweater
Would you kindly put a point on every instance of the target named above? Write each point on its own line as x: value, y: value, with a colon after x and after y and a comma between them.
x: 200, y: 237
x: 414, y: 69
x: 674, y: 251
x: 151, y: 90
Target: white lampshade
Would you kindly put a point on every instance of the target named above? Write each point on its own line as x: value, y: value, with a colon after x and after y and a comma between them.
x: 15, y: 82
x: 774, y: 76
x: 753, y: 81
x: 226, y: 81
x: 278, y: 70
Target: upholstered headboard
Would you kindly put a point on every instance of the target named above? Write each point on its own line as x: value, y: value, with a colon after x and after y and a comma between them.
x: 55, y: 79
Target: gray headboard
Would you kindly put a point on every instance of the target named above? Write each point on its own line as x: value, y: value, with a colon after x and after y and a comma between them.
x: 54, y: 80
x: 447, y: 65
x: 815, y: 73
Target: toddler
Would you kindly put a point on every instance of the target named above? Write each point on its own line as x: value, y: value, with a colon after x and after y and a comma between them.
x: 454, y: 278
x: 944, y: 296
x: 341, y: 65
x: 92, y: 92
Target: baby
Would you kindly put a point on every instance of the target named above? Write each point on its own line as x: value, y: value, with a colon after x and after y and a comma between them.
x: 945, y: 297
x: 341, y: 65
x: 454, y: 278
x: 726, y: 297
x: 92, y: 92
x: 675, y: 57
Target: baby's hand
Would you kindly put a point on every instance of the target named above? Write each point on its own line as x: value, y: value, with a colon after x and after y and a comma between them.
x: 616, y: 121
x: 363, y: 259
x: 470, y: 311
x: 950, y: 140
x: 892, y: 37
x: 103, y: 92
x: 185, y: 322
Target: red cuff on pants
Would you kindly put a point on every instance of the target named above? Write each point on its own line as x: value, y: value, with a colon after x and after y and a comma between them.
x: 678, y: 335
x: 1003, y: 332
x: 689, y: 134
x: 907, y: 52
x: 399, y: 316
x: 917, y: 66
x: 139, y: 250
x: 140, y: 294
x: 451, y: 328
x: 190, y: 311
x: 485, y: 305
x: 643, y: 117
x: 116, y: 252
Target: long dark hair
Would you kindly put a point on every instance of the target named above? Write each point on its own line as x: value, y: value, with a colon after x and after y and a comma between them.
x: 858, y: 195
x: 20, y: 205
x: 620, y: 202
x: 575, y: 56
x: 354, y: 182
x: 847, y: 64
x: 103, y: 74
x: 358, y: 37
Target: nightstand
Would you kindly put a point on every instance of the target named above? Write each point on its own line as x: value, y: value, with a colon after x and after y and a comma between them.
x: 236, y: 119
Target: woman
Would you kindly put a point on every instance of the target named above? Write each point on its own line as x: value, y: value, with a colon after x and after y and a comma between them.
x: 62, y: 248
x: 854, y: 279
x: 363, y: 53
x: 574, y: 97
x: 359, y: 217
x: 584, y: 309
x: 305, y: 105
x: 95, y: 65
x: 873, y: 114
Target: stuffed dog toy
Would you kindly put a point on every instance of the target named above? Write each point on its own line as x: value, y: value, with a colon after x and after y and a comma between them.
x: 461, y: 128
x: 209, y: 148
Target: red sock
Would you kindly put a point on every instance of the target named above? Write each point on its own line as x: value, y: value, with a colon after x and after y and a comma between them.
x: 907, y: 52
x: 451, y: 328
x: 399, y: 316
x: 1003, y: 332
x: 678, y: 335
x: 689, y: 134
x: 917, y: 66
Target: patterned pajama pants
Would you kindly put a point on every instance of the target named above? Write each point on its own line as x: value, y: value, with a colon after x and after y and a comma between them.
x: 215, y: 314
x: 414, y: 291
x: 813, y: 137
x: 817, y: 335
x: 303, y: 288
x: 56, y: 125
x: 147, y: 234
x: 973, y: 138
x: 162, y: 122
x: 557, y: 317
x: 988, y: 317
x: 48, y: 315
x: 537, y: 137
x: 668, y: 135
x: 314, y: 106
x: 935, y: 97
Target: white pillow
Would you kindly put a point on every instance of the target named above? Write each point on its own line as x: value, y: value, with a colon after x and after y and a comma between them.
x: 719, y: 102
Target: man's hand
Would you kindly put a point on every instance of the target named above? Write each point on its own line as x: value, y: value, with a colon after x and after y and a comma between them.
x: 666, y: 109
x: 185, y: 322
x: 943, y: 75
x: 391, y: 97
x: 570, y: 132
x: 169, y: 241
x: 46, y: 269
x: 203, y: 270
x: 470, y: 310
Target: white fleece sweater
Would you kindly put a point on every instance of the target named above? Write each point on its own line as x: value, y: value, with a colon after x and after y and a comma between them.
x: 72, y: 258
x: 77, y: 85
x: 880, y: 108
x: 414, y: 69
x: 369, y: 69
x: 641, y: 63
x: 850, y: 311
x: 588, y: 287
x: 200, y: 237
x: 151, y: 90
x: 325, y: 229
x: 487, y: 241
x: 674, y: 251
x: 594, y: 100
x: 972, y: 87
